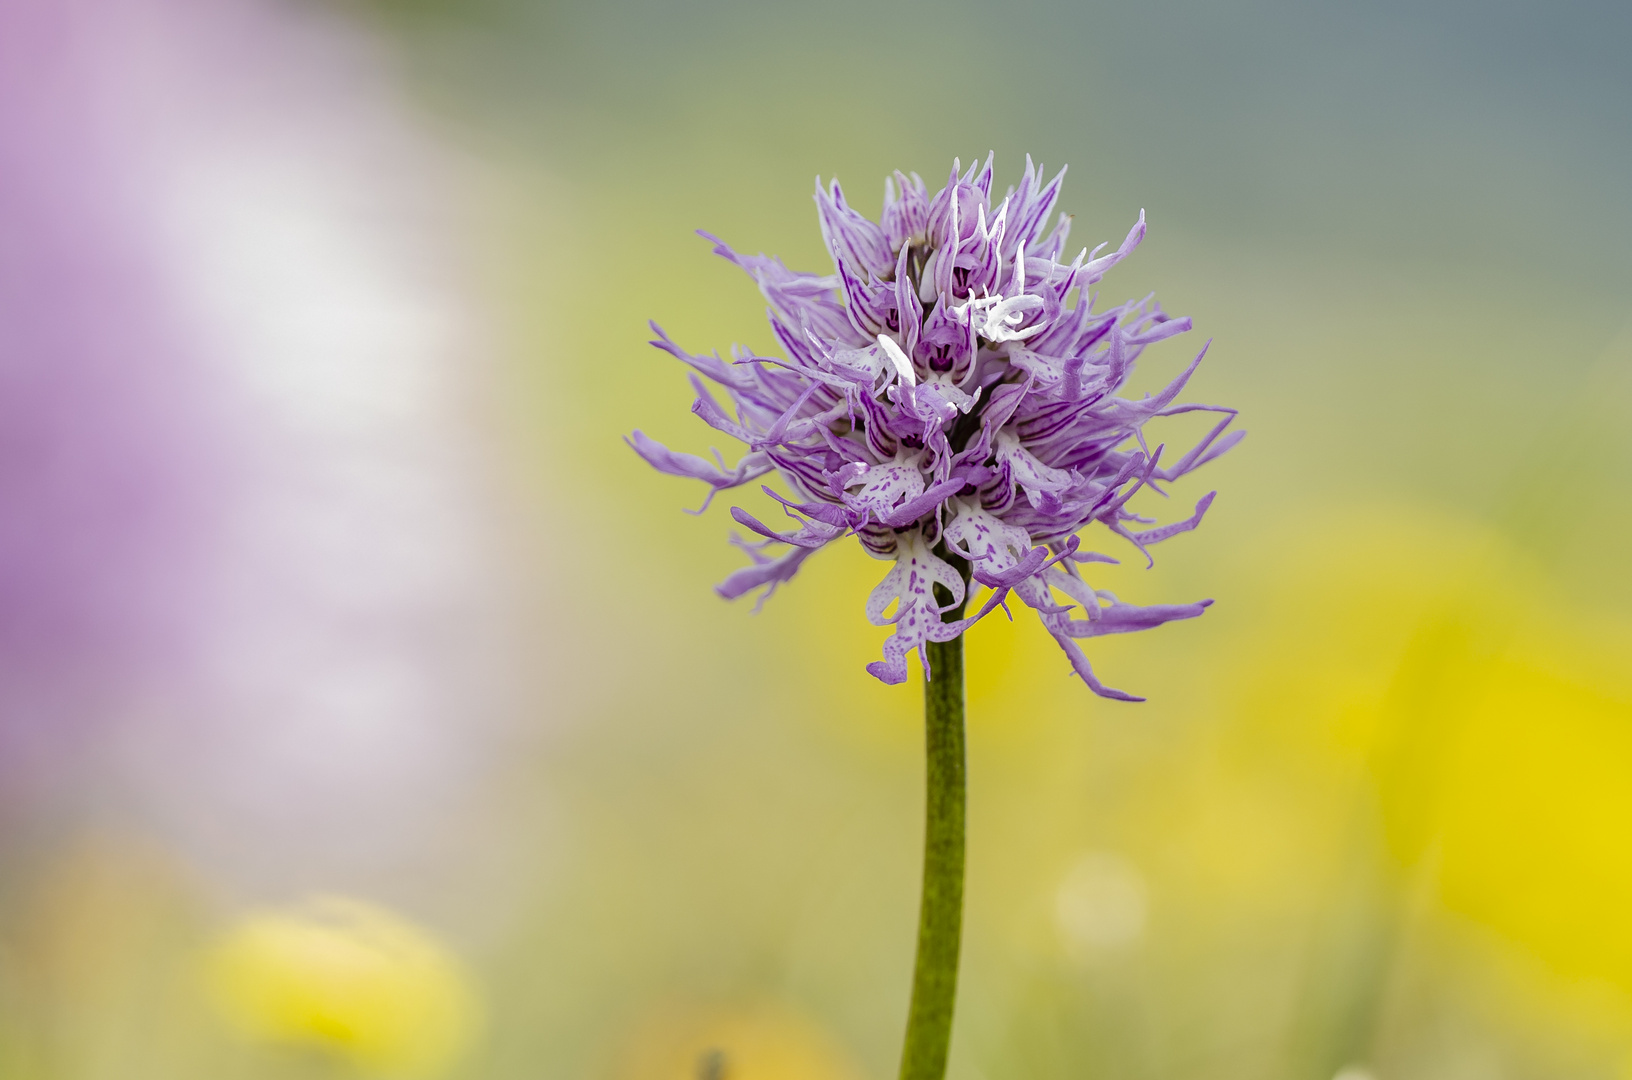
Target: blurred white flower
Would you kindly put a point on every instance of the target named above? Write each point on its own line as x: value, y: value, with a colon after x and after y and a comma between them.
x: 1100, y: 905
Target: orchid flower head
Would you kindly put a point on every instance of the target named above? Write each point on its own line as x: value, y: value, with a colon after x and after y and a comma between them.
x: 949, y: 396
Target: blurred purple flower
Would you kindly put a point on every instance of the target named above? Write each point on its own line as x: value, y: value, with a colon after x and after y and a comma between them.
x: 101, y: 427
x: 950, y: 393
x: 244, y: 532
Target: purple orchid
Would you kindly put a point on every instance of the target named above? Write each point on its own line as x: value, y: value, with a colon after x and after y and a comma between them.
x: 948, y: 396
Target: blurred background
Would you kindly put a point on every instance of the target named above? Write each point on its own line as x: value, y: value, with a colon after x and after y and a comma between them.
x: 364, y: 706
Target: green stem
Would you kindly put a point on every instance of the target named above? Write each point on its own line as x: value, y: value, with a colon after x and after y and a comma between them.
x: 940, y: 916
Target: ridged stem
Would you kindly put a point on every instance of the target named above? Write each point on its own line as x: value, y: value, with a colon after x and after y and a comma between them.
x: 940, y: 917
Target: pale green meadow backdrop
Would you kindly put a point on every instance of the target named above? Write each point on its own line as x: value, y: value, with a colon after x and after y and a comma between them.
x: 1375, y: 819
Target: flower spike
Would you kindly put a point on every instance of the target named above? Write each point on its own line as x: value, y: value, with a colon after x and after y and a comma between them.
x: 949, y: 396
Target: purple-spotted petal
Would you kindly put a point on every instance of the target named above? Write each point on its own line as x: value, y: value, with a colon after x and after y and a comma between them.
x: 910, y: 585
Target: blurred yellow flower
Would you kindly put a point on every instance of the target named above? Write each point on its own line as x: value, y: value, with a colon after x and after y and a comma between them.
x: 1536, y: 809
x: 754, y: 1043
x: 1494, y: 723
x: 349, y: 978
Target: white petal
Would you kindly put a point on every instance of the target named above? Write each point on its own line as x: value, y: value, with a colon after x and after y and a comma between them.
x: 903, y: 366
